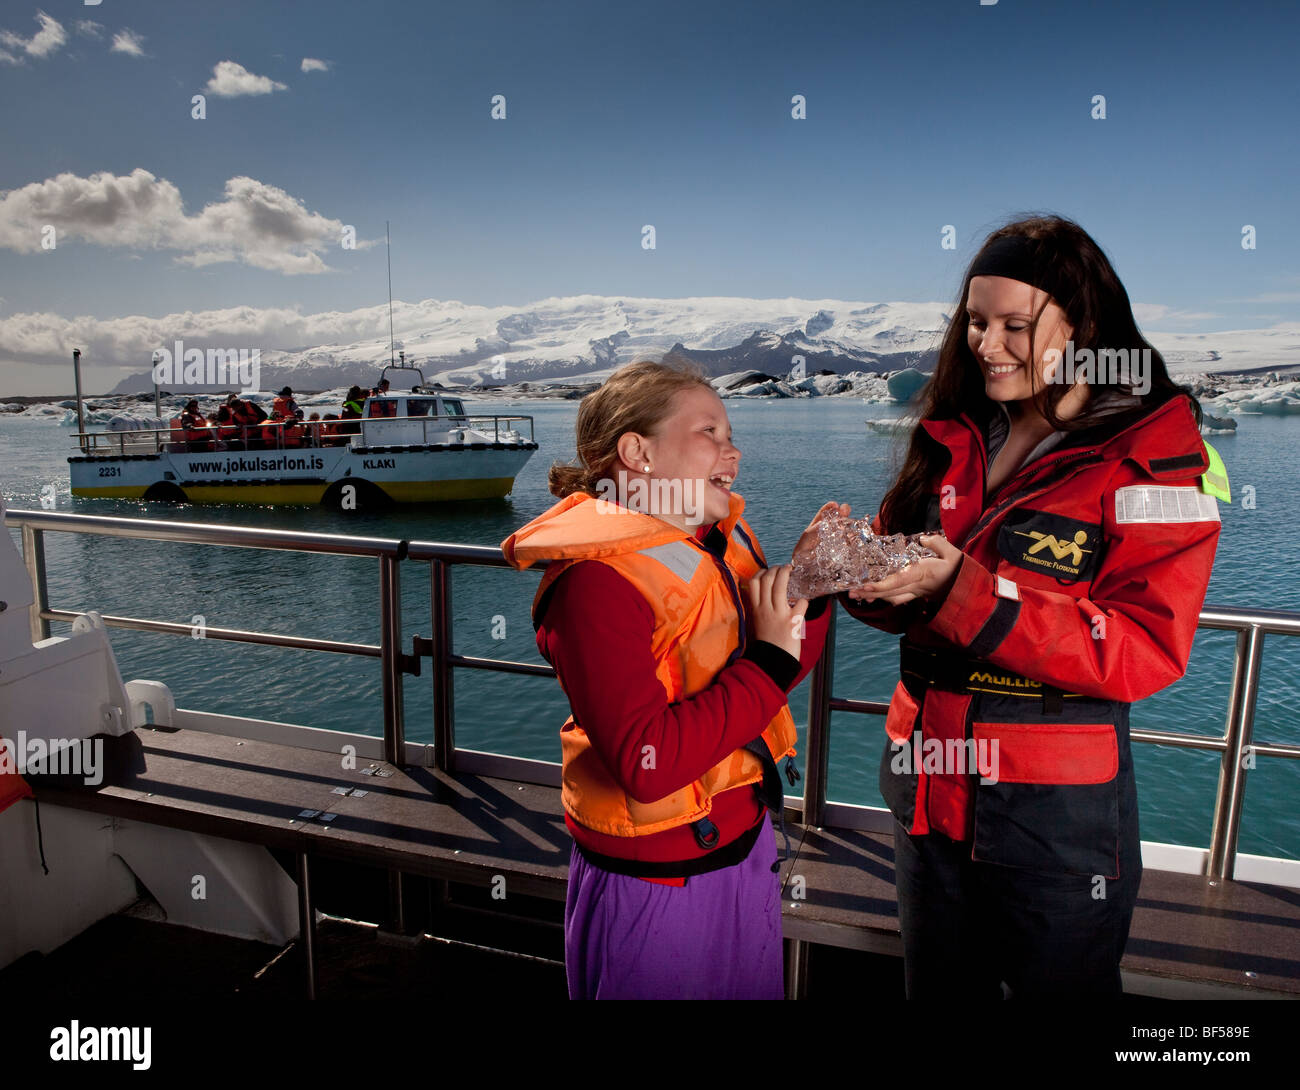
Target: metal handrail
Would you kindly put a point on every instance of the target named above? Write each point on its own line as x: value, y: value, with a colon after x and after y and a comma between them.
x: 388, y: 551
x: 119, y: 444
x: 440, y: 425
x: 1235, y: 745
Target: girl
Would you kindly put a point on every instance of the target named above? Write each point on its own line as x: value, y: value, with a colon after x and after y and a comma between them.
x: 1079, y: 532
x: 676, y: 646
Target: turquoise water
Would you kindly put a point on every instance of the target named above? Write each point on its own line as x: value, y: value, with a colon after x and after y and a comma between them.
x: 796, y: 455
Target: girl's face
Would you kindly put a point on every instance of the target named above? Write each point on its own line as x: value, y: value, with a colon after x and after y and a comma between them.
x: 1001, y: 312
x: 693, y: 446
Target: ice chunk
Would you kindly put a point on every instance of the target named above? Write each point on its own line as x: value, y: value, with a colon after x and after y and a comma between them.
x: 847, y: 554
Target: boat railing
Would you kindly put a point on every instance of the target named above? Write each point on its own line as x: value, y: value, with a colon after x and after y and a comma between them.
x: 1236, y: 745
x: 269, y: 435
x: 289, y: 435
x: 434, y: 429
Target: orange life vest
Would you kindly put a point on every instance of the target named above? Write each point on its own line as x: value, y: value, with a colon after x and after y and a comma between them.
x: 198, y: 431
x: 697, y: 628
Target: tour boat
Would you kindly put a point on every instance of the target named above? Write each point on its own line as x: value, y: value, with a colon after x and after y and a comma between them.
x: 416, y: 447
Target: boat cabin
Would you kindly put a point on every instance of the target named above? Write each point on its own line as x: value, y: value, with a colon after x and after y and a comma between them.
x: 413, y: 419
x: 390, y: 406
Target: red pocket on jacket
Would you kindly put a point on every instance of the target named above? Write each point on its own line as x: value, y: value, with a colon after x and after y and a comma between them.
x: 1059, y: 753
x: 902, y: 714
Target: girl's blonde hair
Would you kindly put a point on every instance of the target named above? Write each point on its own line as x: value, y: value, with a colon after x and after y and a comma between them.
x: 635, y: 398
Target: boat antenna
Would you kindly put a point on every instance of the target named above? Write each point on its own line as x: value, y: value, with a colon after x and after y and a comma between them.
x: 76, y: 371
x: 389, y: 241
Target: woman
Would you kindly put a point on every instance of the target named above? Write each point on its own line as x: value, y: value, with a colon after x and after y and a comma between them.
x: 676, y: 647
x: 1078, y: 540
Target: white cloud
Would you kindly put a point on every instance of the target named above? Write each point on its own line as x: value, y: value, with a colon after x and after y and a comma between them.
x: 128, y: 42
x: 230, y: 80
x: 311, y: 64
x: 90, y: 28
x: 131, y: 339
x: 255, y: 224
x: 1150, y: 313
x: 41, y: 44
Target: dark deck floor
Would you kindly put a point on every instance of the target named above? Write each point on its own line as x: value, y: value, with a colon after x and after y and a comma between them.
x: 461, y: 829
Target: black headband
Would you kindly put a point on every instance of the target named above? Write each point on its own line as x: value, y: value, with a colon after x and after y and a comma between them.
x: 1019, y: 258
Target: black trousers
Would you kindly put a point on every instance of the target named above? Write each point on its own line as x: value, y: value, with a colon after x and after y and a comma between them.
x: 969, y: 928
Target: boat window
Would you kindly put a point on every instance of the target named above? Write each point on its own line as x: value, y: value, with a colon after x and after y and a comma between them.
x: 453, y: 406
x: 381, y: 406
x: 418, y: 406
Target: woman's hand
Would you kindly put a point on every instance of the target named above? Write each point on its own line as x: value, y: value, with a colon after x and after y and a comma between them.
x: 920, y: 579
x: 809, y: 537
x: 775, y: 619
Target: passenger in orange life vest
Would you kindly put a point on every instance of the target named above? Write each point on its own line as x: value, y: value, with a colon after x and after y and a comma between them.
x: 1079, y: 536
x: 247, y: 416
x: 273, y: 431
x: 284, y: 403
x: 227, y: 431
x: 676, y: 647
x: 198, y: 436
x: 294, y: 430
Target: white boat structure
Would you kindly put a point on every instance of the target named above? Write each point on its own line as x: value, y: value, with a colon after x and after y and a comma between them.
x: 408, y: 448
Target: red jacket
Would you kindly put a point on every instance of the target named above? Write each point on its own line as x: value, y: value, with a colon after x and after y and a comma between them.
x: 1079, y: 592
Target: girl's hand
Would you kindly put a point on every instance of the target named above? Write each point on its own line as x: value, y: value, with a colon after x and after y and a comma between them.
x: 775, y: 619
x: 922, y: 579
x: 809, y: 537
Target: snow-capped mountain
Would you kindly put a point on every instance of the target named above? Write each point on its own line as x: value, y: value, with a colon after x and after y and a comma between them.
x: 583, y: 338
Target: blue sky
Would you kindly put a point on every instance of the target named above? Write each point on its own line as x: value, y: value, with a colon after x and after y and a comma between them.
x: 672, y: 114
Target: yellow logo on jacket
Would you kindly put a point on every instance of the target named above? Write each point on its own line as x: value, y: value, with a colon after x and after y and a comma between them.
x: 1060, y: 550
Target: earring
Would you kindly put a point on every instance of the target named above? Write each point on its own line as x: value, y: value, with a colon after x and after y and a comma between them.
x: 647, y: 468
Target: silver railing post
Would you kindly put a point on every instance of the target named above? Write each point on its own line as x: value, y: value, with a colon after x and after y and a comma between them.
x: 444, y: 704
x: 34, y: 558
x: 1231, y: 795
x: 817, y: 751
x: 390, y: 641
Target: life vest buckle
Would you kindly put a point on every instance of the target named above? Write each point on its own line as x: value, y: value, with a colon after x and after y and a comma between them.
x: 706, y: 833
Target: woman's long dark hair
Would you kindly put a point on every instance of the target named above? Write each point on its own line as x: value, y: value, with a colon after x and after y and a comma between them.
x: 1101, y: 315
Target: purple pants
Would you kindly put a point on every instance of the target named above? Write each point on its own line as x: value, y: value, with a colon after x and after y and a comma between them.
x: 717, y: 937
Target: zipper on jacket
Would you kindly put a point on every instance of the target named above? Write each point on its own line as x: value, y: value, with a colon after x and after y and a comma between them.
x: 1071, y: 461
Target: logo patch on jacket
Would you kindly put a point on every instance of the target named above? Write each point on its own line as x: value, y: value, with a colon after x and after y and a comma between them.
x: 1055, y: 545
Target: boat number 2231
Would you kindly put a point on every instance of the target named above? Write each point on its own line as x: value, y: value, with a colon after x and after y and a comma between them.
x: 110, y: 471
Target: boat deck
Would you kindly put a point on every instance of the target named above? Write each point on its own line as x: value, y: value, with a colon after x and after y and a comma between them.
x: 461, y: 832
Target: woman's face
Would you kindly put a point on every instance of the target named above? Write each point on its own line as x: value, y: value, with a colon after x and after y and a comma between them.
x: 693, y: 446
x: 1001, y: 312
